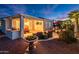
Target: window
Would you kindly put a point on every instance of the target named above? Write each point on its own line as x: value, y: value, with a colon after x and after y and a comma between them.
x: 49, y: 24
x: 38, y: 23
x: 16, y: 24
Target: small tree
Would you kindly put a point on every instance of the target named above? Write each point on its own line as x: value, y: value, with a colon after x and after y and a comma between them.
x: 68, y: 34
x: 75, y: 15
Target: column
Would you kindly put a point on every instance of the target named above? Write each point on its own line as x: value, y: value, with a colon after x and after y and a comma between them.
x: 4, y: 26
x: 21, y: 26
x: 10, y: 23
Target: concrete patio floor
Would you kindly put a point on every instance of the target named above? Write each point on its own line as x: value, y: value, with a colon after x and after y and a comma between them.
x: 12, y: 46
x: 42, y: 47
x: 56, y: 47
x: 53, y: 46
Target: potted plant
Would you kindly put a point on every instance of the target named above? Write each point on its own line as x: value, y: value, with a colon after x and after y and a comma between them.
x: 31, y: 42
x: 30, y: 38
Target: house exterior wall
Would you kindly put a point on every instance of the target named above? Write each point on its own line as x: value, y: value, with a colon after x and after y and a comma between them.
x: 38, y: 25
x: 2, y: 27
x: 35, y: 24
x: 9, y: 34
x: 48, y: 25
x: 13, y: 34
x: 7, y: 24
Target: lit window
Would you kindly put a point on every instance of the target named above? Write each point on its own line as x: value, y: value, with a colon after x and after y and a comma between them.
x: 38, y: 23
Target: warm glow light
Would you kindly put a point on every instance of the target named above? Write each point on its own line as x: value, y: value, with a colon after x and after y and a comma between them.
x: 26, y: 23
x: 16, y: 24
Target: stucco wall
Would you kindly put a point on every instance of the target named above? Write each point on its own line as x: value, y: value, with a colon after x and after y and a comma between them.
x: 9, y: 34
x: 13, y: 35
x: 48, y: 25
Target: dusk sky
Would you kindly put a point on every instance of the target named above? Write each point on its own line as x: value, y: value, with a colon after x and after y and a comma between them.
x: 50, y: 11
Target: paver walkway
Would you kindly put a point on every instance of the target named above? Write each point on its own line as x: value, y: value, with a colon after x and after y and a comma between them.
x: 42, y: 47
x: 12, y: 46
x: 56, y: 47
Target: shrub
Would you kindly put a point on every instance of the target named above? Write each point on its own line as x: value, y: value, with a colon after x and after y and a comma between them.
x: 68, y: 36
x: 33, y: 37
x: 41, y: 35
x: 49, y: 34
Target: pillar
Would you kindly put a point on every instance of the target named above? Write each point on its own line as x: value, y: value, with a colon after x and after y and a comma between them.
x: 21, y: 26
x: 10, y: 24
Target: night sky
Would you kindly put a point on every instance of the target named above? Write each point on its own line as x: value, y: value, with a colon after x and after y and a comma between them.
x: 50, y: 11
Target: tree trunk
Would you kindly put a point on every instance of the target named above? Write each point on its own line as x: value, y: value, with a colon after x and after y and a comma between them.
x: 76, y: 28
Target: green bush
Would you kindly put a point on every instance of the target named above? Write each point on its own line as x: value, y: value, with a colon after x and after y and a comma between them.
x: 33, y: 37
x: 68, y: 36
x: 41, y: 35
x: 49, y: 34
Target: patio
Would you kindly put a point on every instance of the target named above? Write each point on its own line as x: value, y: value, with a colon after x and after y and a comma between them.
x: 56, y: 47
x: 53, y: 46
